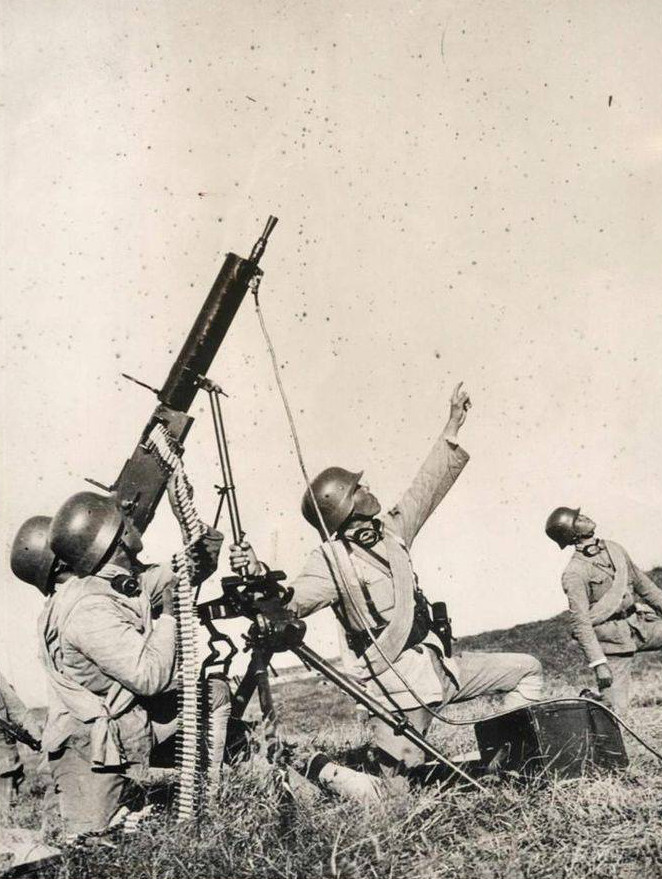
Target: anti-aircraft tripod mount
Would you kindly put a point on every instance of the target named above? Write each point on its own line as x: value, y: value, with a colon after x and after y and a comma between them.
x: 141, y: 483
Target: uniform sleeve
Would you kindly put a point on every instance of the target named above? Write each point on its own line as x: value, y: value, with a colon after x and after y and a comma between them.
x: 314, y: 588
x: 431, y: 484
x: 142, y: 664
x: 16, y: 711
x: 580, y: 620
x: 154, y: 580
x: 647, y: 589
x: 205, y: 555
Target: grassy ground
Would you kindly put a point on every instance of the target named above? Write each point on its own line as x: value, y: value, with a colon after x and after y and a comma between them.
x: 591, y: 827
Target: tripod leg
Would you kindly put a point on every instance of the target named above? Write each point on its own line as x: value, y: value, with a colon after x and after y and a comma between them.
x: 276, y: 753
x: 360, y: 695
x: 275, y: 750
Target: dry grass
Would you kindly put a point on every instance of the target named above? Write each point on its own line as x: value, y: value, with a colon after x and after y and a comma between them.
x: 608, y: 826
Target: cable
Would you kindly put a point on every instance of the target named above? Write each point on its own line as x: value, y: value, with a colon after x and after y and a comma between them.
x: 357, y: 610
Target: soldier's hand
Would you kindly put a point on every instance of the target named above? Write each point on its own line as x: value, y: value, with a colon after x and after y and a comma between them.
x: 603, y: 676
x: 242, y: 555
x: 460, y: 405
x: 167, y: 602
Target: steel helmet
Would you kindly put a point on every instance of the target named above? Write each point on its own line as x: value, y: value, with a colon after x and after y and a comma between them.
x: 333, y: 489
x: 84, y: 531
x: 560, y: 525
x: 32, y: 560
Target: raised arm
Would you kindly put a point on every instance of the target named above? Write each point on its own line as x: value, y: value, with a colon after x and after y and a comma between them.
x: 436, y: 476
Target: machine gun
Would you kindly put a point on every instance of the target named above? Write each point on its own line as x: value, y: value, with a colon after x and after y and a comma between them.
x: 141, y: 483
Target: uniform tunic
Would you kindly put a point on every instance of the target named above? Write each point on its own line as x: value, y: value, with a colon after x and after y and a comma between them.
x: 424, y: 667
x: 104, y: 638
x: 585, y: 581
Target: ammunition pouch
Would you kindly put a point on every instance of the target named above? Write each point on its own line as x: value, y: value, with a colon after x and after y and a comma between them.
x: 441, y: 626
x: 422, y: 624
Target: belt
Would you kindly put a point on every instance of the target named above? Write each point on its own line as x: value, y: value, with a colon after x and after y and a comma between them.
x: 622, y: 614
x: 359, y: 641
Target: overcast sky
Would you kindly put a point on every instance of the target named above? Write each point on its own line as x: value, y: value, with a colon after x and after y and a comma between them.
x: 466, y: 191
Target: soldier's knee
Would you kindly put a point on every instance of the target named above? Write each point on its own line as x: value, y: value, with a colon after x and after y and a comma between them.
x: 533, y: 665
x: 532, y: 677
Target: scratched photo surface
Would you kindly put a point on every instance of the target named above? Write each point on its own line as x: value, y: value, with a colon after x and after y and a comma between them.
x: 466, y: 191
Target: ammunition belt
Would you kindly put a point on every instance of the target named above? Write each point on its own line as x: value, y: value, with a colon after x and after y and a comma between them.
x: 189, y: 693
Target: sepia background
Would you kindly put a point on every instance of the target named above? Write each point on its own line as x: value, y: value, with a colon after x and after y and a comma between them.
x: 466, y: 191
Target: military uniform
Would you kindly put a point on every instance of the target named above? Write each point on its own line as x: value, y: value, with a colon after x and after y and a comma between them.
x: 13, y: 710
x: 107, y: 650
x: 615, y: 611
x: 424, y: 665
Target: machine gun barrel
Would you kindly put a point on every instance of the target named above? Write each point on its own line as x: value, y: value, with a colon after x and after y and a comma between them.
x: 141, y: 483
x: 212, y: 324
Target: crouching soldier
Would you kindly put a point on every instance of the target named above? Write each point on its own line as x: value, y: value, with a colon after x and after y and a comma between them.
x: 107, y: 642
x: 364, y: 572
x: 32, y: 559
x: 615, y: 609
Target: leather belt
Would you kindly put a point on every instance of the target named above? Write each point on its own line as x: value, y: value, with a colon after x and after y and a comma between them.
x: 622, y: 614
x: 359, y: 641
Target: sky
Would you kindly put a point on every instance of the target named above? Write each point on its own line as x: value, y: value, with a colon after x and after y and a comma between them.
x: 465, y: 191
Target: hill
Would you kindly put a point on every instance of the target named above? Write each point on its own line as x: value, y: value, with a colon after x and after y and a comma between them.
x: 550, y: 641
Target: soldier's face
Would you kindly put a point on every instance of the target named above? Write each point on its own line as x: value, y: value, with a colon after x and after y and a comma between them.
x: 584, y: 526
x: 365, y: 503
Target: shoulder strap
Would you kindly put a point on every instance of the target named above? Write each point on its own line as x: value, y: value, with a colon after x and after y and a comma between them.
x: 394, y: 637
x: 611, y: 601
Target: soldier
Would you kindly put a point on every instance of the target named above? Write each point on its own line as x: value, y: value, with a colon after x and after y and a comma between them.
x: 14, y: 712
x: 108, y: 645
x: 614, y: 607
x: 32, y: 559
x: 365, y: 574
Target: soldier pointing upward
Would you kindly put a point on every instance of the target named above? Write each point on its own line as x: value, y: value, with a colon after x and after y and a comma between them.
x: 365, y: 574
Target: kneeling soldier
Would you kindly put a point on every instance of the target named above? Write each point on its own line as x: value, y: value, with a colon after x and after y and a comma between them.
x: 615, y: 609
x: 107, y: 641
x: 16, y: 716
x: 32, y: 559
x: 365, y: 574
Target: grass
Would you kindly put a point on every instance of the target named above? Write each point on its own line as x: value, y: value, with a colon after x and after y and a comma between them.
x: 601, y: 826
